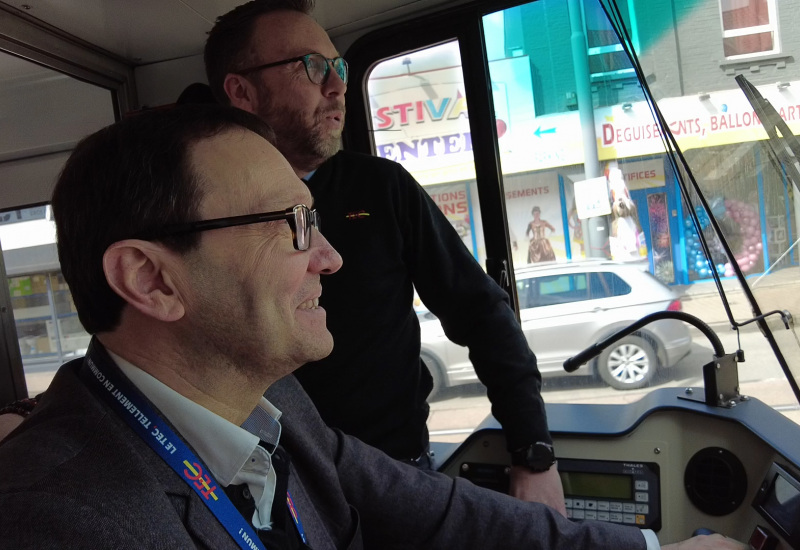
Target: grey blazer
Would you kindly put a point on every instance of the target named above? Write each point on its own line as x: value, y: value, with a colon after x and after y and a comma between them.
x: 73, y: 475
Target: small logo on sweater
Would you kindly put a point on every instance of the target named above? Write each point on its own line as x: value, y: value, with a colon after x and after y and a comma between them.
x: 360, y: 215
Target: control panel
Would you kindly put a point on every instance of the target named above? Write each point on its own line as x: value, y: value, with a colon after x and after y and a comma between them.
x: 665, y: 463
x: 603, y: 490
x: 617, y: 492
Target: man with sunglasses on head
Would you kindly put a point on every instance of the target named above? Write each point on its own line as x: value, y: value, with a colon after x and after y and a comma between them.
x: 193, y: 256
x: 271, y: 58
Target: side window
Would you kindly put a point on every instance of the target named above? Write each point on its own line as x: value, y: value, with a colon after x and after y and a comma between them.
x: 48, y: 330
x: 45, y: 113
x: 419, y: 117
x: 599, y: 286
x: 528, y: 293
x: 562, y: 289
x: 617, y: 285
x: 605, y: 285
x: 748, y: 27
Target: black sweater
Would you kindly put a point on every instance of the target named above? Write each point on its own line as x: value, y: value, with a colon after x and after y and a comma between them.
x: 391, y: 236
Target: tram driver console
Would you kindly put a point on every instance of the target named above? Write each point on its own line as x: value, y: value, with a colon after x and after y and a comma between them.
x: 664, y: 463
x: 678, y: 461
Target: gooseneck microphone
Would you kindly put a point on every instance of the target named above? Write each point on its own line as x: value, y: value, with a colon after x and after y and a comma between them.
x: 573, y: 363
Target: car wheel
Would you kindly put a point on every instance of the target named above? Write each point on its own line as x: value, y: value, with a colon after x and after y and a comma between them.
x: 628, y: 364
x: 437, y: 373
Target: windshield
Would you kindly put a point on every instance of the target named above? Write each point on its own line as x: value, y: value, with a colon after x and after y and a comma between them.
x: 740, y: 226
x: 637, y: 179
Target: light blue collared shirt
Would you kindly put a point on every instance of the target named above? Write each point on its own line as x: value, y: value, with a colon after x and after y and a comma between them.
x: 232, y: 453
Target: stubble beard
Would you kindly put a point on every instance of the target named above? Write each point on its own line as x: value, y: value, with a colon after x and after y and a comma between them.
x: 224, y: 341
x: 305, y: 145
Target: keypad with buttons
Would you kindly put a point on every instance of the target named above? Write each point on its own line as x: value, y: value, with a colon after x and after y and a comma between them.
x: 633, y: 513
x: 637, y: 482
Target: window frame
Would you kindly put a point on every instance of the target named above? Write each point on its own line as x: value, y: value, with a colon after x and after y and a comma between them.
x: 24, y: 36
x: 772, y: 27
x: 463, y: 24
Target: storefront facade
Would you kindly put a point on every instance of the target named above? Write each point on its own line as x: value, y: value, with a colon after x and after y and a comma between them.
x: 545, y: 178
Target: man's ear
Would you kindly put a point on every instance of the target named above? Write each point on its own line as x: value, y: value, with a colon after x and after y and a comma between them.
x: 141, y: 273
x: 240, y: 92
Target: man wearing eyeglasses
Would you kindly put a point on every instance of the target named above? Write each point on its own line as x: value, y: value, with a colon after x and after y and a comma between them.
x: 269, y: 57
x: 193, y: 255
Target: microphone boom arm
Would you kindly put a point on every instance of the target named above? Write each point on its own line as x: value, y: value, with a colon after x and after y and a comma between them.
x: 573, y: 363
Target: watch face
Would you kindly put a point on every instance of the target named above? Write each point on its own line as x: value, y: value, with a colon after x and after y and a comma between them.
x: 540, y: 457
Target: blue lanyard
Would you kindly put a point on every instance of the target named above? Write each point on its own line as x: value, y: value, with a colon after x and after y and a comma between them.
x: 296, y: 517
x: 129, y: 404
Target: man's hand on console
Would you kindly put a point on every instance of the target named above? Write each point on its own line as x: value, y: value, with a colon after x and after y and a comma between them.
x: 544, y: 487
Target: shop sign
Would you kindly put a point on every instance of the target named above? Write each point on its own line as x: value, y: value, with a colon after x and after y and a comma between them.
x: 425, y: 125
x: 643, y: 174
x: 719, y: 118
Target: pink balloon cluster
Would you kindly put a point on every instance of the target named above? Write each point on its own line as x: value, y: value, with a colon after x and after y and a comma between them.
x: 746, y: 216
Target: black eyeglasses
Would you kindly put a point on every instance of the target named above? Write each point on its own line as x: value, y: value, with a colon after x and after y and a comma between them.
x: 318, y: 67
x: 301, y: 219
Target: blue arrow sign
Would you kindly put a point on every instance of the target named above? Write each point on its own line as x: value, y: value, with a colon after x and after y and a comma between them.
x: 539, y: 131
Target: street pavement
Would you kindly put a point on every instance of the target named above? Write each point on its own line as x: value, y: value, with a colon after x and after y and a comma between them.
x: 774, y: 291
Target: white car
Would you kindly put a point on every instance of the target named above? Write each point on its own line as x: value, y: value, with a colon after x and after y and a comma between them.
x: 565, y: 308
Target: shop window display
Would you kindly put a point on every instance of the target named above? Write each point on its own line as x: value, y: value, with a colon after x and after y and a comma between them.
x: 735, y: 202
x: 657, y: 211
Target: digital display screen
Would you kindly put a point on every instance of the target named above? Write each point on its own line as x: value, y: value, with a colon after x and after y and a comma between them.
x: 783, y: 504
x: 596, y: 485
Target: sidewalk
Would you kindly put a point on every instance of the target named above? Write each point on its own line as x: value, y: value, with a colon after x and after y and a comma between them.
x: 778, y: 290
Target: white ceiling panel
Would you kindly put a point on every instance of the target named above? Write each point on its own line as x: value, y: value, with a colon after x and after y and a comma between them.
x: 148, y: 31
x: 141, y: 31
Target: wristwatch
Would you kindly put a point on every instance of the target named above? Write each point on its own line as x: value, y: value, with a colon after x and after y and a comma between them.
x: 538, y: 457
